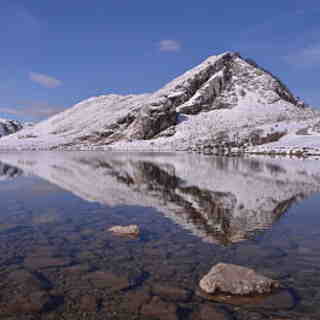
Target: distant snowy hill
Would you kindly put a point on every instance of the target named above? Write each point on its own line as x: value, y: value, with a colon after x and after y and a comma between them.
x: 227, y: 101
x: 9, y: 126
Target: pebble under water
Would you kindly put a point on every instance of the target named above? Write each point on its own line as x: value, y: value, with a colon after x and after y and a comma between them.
x: 59, y: 261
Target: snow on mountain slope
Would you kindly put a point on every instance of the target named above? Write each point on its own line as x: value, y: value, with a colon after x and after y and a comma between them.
x: 218, y: 199
x: 223, y: 101
x: 302, y: 138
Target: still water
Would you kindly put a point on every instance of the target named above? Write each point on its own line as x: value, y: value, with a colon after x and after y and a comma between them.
x: 59, y: 261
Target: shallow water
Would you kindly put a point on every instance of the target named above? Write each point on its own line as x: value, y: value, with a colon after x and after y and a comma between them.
x: 58, y: 260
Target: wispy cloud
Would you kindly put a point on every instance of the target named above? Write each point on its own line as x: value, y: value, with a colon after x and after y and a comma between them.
x: 32, y: 110
x: 300, y: 12
x: 18, y: 23
x: 26, y: 18
x: 305, y: 57
x: 45, y: 80
x: 169, y: 46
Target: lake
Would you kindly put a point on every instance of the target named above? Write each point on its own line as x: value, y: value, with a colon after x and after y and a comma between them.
x: 59, y: 261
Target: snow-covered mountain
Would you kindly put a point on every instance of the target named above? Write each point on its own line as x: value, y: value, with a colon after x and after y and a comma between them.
x: 221, y: 200
x: 9, y: 127
x: 225, y: 101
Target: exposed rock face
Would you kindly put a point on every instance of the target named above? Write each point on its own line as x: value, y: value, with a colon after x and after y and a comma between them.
x: 237, y: 280
x: 153, y: 119
x: 225, y: 93
x: 9, y: 126
x: 132, y: 230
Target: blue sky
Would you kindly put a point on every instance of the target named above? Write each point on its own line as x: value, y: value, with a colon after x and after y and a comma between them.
x: 56, y: 53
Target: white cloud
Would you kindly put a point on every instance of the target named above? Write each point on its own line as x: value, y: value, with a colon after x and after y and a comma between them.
x: 169, y: 46
x: 33, y: 110
x: 18, y: 21
x: 44, y: 80
x: 306, y: 57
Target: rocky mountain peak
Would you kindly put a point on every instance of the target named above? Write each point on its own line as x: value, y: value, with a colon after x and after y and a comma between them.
x: 225, y: 96
x: 220, y: 82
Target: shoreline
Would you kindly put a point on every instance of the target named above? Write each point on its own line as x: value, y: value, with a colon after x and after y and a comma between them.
x: 279, y: 152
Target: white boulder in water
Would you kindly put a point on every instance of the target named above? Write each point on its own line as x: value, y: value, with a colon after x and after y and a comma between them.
x: 236, y: 280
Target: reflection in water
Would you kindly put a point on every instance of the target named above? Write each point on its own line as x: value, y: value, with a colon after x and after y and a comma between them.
x: 7, y: 171
x: 58, y: 260
x: 220, y: 200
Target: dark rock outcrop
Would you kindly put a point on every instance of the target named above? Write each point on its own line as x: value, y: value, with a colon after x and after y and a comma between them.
x: 9, y: 127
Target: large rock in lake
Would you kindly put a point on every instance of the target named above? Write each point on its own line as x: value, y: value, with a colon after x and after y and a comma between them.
x: 237, y: 280
x: 132, y: 230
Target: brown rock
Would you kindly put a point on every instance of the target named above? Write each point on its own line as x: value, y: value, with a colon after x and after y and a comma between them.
x: 102, y: 279
x: 76, y: 270
x: 134, y: 299
x: 171, y: 293
x: 32, y: 303
x: 281, y: 299
x: 88, y: 303
x: 44, y: 251
x: 237, y: 280
x: 25, y: 279
x: 36, y: 262
x: 132, y: 230
x: 160, y: 309
x: 208, y: 312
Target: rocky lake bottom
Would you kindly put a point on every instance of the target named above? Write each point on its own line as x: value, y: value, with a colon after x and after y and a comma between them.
x: 59, y: 261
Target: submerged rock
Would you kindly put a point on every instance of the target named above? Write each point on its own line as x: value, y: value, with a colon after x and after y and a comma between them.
x: 106, y: 279
x: 132, y: 230
x: 281, y: 299
x: 160, y: 309
x: 135, y: 299
x: 236, y: 280
x: 39, y: 262
x: 34, y: 302
x: 24, y: 279
x: 88, y: 303
x: 171, y: 293
x: 211, y: 312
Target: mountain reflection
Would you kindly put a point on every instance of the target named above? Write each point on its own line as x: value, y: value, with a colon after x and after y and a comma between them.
x: 221, y: 200
x: 8, y: 171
